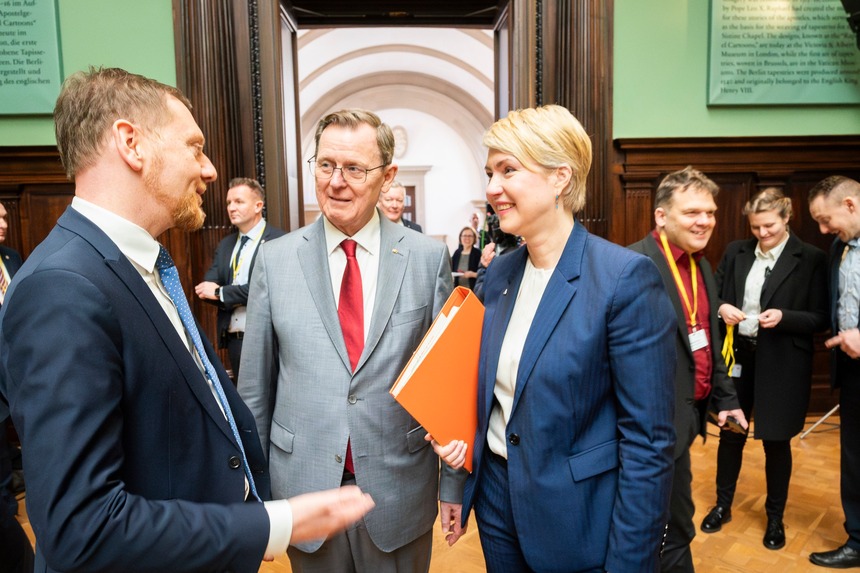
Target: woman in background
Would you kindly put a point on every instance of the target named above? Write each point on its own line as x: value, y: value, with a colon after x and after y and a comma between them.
x: 466, y: 258
x: 573, y: 452
x: 774, y: 293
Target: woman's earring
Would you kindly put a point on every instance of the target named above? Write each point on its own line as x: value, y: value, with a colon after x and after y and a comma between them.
x: 556, y: 202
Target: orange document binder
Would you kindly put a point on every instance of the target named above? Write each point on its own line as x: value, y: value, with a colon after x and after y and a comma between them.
x: 439, y: 385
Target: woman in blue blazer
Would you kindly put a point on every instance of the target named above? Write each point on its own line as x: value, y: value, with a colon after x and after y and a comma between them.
x: 573, y: 453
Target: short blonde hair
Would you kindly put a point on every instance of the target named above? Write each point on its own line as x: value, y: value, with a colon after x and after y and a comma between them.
x: 547, y: 137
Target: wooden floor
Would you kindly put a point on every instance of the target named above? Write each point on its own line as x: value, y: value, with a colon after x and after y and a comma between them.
x: 813, y: 517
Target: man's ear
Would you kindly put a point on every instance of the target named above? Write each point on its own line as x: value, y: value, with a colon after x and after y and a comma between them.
x: 126, y: 139
x: 660, y: 217
x: 388, y: 177
x: 850, y: 203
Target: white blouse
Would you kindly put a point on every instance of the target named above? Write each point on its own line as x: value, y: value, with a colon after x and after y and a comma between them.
x: 528, y: 298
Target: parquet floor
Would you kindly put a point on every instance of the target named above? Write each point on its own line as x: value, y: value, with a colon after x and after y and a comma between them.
x: 813, y: 518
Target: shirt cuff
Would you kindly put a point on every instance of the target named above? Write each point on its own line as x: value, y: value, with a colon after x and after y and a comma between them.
x: 280, y: 526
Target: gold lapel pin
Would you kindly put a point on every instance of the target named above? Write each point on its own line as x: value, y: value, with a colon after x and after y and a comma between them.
x: 394, y: 251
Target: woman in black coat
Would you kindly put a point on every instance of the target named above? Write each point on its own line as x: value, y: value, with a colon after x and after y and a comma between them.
x: 773, y: 290
x: 466, y: 258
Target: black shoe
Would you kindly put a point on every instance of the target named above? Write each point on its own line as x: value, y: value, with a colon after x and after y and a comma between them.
x: 774, y: 535
x: 841, y: 558
x: 715, y: 519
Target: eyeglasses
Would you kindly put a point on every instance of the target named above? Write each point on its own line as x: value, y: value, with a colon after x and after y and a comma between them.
x: 351, y: 173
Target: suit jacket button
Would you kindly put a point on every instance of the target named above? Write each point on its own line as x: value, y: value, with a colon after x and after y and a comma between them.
x: 338, y: 459
x: 352, y: 399
x: 514, y: 439
x: 234, y: 462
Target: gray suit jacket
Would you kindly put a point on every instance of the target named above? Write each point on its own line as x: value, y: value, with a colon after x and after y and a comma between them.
x: 296, y: 378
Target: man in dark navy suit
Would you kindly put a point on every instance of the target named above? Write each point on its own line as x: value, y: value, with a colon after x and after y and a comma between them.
x: 139, y: 454
x: 684, y: 214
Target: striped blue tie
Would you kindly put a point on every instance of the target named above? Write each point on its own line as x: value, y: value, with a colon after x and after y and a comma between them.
x: 170, y: 280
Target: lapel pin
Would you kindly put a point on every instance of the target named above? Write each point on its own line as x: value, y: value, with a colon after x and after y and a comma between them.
x: 394, y: 251
x: 505, y: 293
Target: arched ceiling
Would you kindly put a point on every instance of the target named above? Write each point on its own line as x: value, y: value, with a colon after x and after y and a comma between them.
x: 453, y: 13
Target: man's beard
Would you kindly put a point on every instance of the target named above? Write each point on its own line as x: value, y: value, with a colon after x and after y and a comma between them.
x: 188, y: 216
x: 187, y: 213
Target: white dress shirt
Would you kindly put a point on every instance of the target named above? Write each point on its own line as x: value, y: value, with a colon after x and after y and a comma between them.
x: 760, y: 270
x: 242, y: 273
x: 367, y: 255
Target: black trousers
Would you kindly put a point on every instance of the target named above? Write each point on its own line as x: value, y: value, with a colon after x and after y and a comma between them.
x: 234, y: 353
x: 730, y: 453
x: 849, y: 438
x: 16, y: 550
x: 677, y: 557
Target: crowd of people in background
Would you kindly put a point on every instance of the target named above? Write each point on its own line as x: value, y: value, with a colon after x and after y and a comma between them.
x: 599, y: 364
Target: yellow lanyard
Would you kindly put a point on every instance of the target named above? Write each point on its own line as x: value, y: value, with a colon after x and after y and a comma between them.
x: 680, y: 283
x: 236, y: 263
x: 728, y: 347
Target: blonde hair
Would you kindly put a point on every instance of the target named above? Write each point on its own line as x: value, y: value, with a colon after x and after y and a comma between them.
x: 770, y: 199
x: 547, y: 137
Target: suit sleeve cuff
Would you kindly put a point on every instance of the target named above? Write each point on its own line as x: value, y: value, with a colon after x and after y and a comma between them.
x: 280, y: 526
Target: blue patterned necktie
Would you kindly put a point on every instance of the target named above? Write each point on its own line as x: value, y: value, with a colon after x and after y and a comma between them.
x: 170, y: 280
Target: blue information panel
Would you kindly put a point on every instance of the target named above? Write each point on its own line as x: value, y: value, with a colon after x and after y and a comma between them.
x: 770, y: 52
x: 30, y: 73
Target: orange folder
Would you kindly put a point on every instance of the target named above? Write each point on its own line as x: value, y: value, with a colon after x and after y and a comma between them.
x: 439, y: 385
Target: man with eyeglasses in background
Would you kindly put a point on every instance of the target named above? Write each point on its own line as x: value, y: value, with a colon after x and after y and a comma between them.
x: 334, y: 313
x: 391, y: 205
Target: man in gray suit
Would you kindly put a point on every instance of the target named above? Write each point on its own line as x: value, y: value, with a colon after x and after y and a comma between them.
x: 317, y: 380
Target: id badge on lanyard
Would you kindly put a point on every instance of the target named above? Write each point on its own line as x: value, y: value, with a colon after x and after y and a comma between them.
x: 698, y: 339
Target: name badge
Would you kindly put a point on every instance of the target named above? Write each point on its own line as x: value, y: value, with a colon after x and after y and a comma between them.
x: 698, y: 340
x: 736, y: 371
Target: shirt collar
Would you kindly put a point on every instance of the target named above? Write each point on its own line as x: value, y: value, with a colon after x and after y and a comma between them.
x: 133, y: 241
x: 677, y: 252
x: 772, y: 254
x: 254, y: 232
x: 366, y: 237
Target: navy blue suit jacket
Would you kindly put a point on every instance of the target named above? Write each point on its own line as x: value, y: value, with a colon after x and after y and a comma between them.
x: 590, y: 468
x: 130, y: 464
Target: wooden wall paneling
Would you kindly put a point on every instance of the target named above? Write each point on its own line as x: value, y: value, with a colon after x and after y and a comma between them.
x: 742, y: 167
x: 41, y: 206
x: 35, y: 191
x: 213, y: 71
x: 735, y: 190
x: 575, y: 60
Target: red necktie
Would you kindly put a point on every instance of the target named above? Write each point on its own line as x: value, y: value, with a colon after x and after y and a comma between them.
x: 350, y: 311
